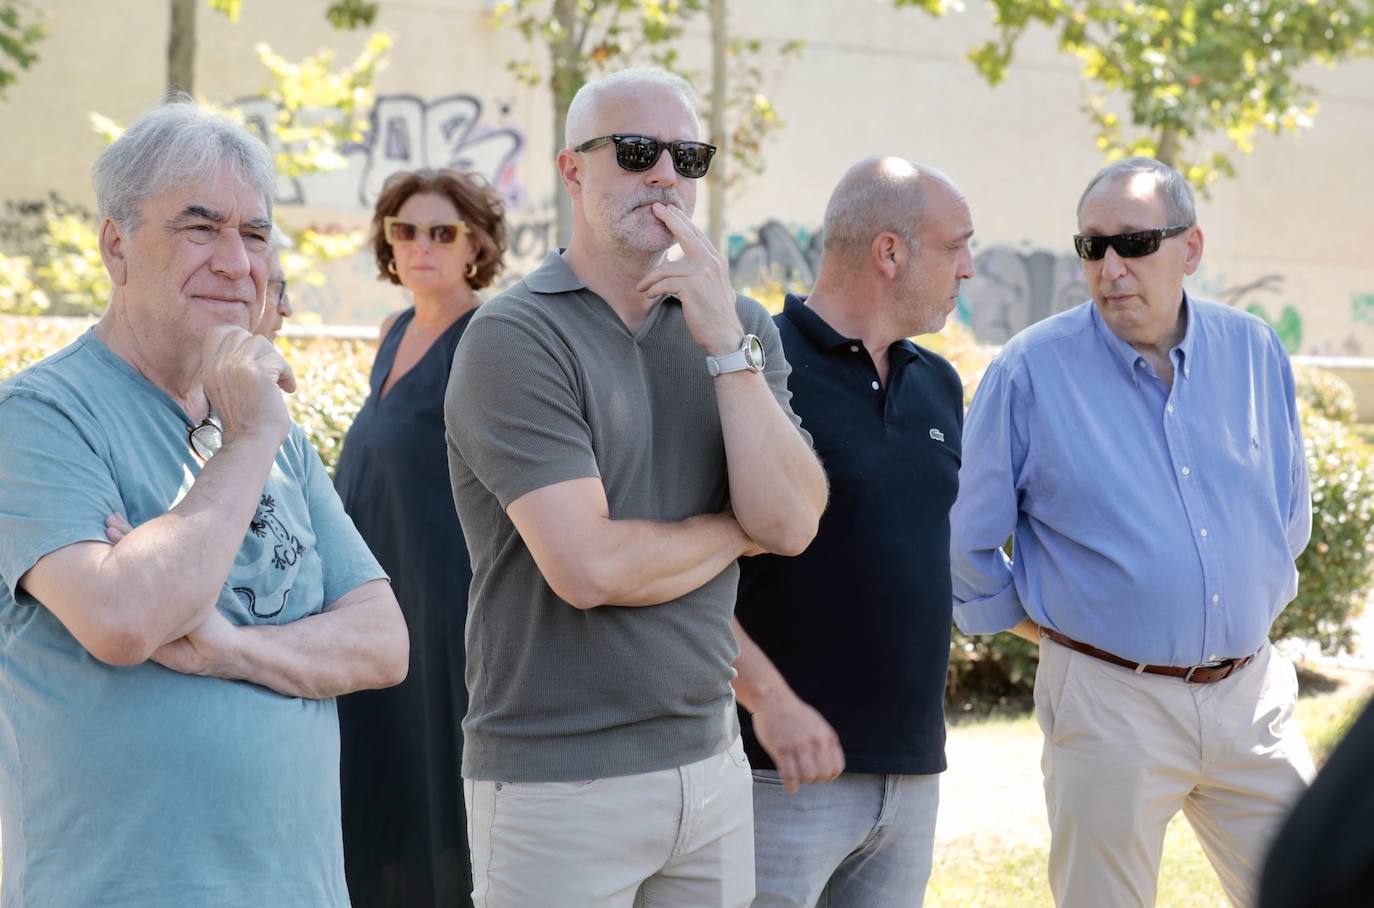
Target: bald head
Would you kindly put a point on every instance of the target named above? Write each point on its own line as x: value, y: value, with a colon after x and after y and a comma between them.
x: 880, y: 194
x: 586, y: 112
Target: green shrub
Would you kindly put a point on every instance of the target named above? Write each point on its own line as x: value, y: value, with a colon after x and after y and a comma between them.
x: 1336, y: 571
x: 1326, y: 393
x: 331, y: 386
x: 331, y: 373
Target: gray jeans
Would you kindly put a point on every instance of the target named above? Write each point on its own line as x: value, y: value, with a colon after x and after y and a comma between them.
x: 862, y: 841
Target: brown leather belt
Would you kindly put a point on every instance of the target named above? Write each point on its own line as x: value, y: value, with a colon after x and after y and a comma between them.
x: 1193, y: 674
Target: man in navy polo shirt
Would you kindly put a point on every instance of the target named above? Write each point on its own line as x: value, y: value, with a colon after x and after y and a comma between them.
x: 843, y: 649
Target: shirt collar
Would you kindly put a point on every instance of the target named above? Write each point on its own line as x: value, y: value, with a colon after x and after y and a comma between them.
x: 554, y: 275
x: 819, y: 332
x: 1128, y: 356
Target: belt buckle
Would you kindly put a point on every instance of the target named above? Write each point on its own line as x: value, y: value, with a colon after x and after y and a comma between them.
x: 1228, y: 664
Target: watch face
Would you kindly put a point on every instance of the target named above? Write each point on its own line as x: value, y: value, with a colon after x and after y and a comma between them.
x: 753, y: 351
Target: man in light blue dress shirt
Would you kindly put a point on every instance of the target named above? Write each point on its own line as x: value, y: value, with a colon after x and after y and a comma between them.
x: 1144, y: 454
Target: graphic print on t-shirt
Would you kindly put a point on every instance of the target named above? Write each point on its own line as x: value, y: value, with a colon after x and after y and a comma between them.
x: 269, y: 557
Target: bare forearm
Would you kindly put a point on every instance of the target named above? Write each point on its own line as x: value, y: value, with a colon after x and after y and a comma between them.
x: 645, y: 563
x: 159, y: 581
x: 338, y: 651
x: 175, y: 564
x: 777, y: 486
x: 757, y: 680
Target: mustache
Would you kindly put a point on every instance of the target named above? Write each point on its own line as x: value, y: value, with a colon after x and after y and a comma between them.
x: 649, y: 196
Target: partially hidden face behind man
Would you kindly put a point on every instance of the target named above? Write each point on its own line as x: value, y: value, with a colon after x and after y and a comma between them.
x: 196, y: 259
x: 617, y: 202
x: 1138, y: 297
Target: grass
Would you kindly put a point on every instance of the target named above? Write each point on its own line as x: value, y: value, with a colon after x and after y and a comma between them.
x: 972, y: 872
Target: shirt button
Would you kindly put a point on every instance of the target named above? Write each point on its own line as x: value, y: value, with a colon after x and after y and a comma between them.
x: 876, y: 386
x: 1140, y: 364
x: 1204, y: 532
x: 853, y: 348
x: 1170, y: 408
x: 1215, y: 598
x: 1187, y: 472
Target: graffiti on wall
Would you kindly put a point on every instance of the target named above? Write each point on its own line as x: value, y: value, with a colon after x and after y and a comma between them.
x: 405, y: 132
x: 1015, y: 288
x: 791, y: 257
x: 1362, y: 308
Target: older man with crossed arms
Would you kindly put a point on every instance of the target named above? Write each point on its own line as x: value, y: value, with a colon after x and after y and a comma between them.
x: 170, y: 735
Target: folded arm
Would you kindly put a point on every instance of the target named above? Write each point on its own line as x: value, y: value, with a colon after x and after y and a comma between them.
x: 122, y: 602
x: 590, y: 560
x: 777, y: 486
x: 358, y: 642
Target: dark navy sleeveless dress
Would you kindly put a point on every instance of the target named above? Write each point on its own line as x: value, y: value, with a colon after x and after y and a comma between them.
x: 404, y: 826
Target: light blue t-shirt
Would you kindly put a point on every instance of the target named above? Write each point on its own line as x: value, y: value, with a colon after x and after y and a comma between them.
x: 140, y: 786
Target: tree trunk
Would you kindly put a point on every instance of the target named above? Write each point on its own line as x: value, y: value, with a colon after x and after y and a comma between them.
x: 567, y: 78
x: 181, y: 47
x: 1168, y: 144
x: 716, y: 131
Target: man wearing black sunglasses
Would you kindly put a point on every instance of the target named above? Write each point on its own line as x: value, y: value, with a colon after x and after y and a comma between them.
x: 1144, y: 453
x: 619, y: 435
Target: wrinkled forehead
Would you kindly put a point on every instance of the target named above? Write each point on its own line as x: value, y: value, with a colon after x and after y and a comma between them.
x: 221, y: 194
x: 1122, y: 204
x: 652, y: 110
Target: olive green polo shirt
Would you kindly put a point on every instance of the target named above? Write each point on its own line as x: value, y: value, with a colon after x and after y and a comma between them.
x: 549, y: 385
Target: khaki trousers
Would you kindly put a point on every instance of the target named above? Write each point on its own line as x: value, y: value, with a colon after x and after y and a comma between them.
x: 677, y: 838
x: 1124, y: 752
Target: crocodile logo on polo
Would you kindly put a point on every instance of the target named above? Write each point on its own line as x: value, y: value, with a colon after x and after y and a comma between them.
x: 937, y: 435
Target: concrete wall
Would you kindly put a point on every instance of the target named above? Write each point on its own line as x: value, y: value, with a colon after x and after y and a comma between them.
x: 1290, y: 238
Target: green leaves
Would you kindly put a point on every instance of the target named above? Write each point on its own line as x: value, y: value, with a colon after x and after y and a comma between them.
x: 20, y: 30
x: 346, y: 15
x: 1187, y: 72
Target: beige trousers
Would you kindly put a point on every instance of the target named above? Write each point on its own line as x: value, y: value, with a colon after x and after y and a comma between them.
x: 677, y: 838
x: 1124, y: 752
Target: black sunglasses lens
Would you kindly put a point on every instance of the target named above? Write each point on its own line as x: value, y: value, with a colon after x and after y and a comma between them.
x: 637, y: 153
x: 692, y: 159
x: 1090, y: 248
x: 1127, y: 245
x: 1135, y: 245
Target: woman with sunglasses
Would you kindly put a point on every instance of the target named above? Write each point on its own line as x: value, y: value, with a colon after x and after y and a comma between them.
x: 439, y: 234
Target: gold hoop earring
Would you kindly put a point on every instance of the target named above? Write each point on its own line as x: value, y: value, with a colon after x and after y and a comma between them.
x: 471, y: 270
x: 391, y: 268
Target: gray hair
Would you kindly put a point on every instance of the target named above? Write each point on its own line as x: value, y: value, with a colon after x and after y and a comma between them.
x: 279, y: 240
x: 178, y: 144
x: 582, y: 110
x: 1179, y: 206
x: 876, y: 195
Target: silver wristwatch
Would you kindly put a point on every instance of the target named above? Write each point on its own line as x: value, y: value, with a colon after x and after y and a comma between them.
x: 748, y: 356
